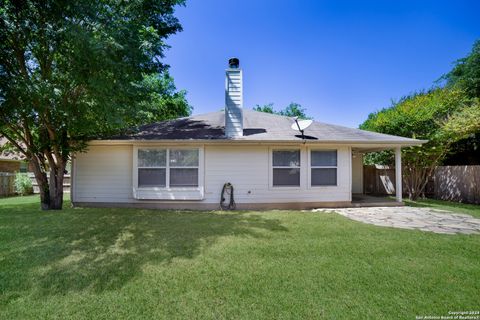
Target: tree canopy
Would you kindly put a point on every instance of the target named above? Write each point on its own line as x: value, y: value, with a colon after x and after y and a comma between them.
x: 422, y: 115
x: 466, y: 73
x: 441, y: 116
x: 448, y: 117
x: 292, y: 110
x: 466, y: 76
x: 74, y: 70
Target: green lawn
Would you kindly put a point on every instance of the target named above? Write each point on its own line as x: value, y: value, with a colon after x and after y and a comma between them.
x: 471, y: 209
x: 119, y: 263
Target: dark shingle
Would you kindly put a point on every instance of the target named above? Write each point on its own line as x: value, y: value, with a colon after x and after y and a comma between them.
x: 258, y: 126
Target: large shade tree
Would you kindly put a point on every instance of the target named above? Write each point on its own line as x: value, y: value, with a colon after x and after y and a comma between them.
x: 292, y: 110
x: 441, y: 116
x: 71, y: 71
x: 466, y: 75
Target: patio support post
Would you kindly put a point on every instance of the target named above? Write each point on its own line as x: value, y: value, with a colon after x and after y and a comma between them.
x: 398, y: 174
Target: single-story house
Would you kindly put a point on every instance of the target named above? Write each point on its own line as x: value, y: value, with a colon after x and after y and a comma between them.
x: 11, y: 161
x: 185, y: 163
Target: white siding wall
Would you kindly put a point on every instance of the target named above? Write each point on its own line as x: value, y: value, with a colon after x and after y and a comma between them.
x: 233, y: 103
x: 104, y: 174
x: 357, y: 173
x: 249, y: 170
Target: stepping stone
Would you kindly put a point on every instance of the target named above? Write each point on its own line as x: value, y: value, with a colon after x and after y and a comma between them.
x: 424, y: 219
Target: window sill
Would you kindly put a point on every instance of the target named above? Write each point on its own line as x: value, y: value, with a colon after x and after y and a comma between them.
x: 194, y: 193
x: 285, y: 187
x: 323, y: 187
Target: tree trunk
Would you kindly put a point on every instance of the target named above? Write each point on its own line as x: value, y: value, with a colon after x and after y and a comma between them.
x: 56, y: 186
x: 51, y: 188
x: 42, y: 182
x: 416, y: 181
x: 44, y: 192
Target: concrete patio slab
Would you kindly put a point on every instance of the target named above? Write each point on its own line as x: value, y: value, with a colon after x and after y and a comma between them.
x: 425, y: 219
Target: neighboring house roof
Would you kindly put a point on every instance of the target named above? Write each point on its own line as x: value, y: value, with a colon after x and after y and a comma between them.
x: 7, y: 154
x: 258, y: 126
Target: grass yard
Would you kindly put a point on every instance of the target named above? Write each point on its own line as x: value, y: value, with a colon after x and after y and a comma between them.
x: 121, y: 263
x: 471, y: 209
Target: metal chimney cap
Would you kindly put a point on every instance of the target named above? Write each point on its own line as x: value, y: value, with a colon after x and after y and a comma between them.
x: 233, y: 63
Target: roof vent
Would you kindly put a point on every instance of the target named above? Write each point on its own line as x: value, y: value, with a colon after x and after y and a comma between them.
x: 233, y: 63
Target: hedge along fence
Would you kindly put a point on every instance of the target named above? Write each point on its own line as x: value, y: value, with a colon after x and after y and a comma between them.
x: 457, y: 183
x: 7, y: 184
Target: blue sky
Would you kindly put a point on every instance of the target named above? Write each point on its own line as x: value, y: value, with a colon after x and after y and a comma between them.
x: 339, y: 59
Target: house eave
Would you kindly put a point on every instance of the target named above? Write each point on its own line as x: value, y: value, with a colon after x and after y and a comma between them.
x: 356, y: 143
x: 12, y: 160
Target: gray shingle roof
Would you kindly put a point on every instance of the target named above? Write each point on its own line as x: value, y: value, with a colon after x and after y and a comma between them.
x: 7, y: 153
x: 258, y: 126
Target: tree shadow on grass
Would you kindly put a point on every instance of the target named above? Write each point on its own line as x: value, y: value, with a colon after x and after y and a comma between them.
x: 102, y: 249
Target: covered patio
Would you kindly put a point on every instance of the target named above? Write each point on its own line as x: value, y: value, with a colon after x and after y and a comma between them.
x: 359, y: 196
x: 365, y: 200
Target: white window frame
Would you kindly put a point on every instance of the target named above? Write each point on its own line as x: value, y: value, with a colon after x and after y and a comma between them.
x: 310, y: 167
x: 156, y: 167
x: 169, y: 167
x: 167, y: 192
x: 271, y: 167
x: 23, y: 166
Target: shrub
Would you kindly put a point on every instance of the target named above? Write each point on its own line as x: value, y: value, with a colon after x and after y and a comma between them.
x: 23, y: 184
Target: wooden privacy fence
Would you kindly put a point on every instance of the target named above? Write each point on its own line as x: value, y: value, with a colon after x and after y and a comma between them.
x: 36, y: 189
x: 7, y: 186
x: 378, y: 180
x: 7, y: 183
x: 454, y: 183
x: 457, y: 183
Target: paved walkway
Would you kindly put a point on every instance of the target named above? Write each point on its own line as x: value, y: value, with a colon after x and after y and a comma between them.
x: 425, y: 219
